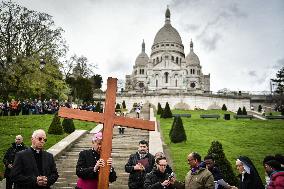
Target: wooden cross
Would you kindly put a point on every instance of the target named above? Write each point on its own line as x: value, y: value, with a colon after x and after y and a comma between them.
x: 109, y: 119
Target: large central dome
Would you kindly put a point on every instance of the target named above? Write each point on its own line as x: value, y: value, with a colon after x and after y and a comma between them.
x: 167, y: 33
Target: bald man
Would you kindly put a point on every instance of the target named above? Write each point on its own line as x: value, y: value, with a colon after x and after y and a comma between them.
x: 9, y: 158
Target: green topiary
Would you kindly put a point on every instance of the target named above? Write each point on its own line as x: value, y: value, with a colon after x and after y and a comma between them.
x: 245, y: 111
x: 167, y: 113
x: 98, y: 107
x: 68, y: 125
x: 177, y: 132
x: 239, y: 112
x: 259, y: 108
x: 55, y: 126
x: 123, y: 105
x: 216, y: 151
x: 160, y: 109
x: 117, y: 108
x: 224, y: 107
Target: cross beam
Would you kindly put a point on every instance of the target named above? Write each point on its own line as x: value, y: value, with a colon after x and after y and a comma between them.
x: 109, y: 119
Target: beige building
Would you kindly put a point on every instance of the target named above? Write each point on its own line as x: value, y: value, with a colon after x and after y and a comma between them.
x: 167, y: 70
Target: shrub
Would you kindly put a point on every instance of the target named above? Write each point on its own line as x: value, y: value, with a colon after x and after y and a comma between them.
x: 123, y: 105
x: 68, y: 125
x: 117, y: 108
x: 98, y: 107
x: 239, y: 112
x: 160, y: 109
x: 167, y: 113
x: 224, y: 107
x: 259, y: 108
x: 245, y: 111
x: 216, y: 151
x: 55, y: 126
x: 177, y: 132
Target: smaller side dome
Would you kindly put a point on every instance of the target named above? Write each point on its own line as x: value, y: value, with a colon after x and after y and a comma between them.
x: 192, y: 58
x: 142, y: 59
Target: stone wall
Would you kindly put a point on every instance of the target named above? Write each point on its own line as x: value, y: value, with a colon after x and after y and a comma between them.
x: 187, y: 101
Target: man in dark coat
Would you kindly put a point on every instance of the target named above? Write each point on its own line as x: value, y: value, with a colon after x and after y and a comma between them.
x: 218, y: 178
x: 138, y: 165
x: 34, y: 168
x: 158, y: 178
x: 9, y: 158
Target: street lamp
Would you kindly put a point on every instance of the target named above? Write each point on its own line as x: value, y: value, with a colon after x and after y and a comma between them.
x: 42, y: 63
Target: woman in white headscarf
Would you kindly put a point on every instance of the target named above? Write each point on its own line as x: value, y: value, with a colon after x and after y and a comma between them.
x: 249, y: 177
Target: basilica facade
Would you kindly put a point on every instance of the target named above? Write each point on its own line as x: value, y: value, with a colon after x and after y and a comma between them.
x: 167, y: 70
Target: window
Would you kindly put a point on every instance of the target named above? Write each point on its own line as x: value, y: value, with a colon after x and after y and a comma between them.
x: 193, y: 71
x: 157, y: 60
x: 162, y: 45
x: 141, y: 71
x: 173, y: 58
x: 172, y: 45
x: 156, y: 83
x: 135, y: 73
x: 176, y: 82
x: 177, y: 60
x: 166, y: 77
x: 154, y: 61
x: 167, y: 45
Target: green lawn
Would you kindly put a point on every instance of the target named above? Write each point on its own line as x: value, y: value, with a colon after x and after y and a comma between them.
x: 253, y: 138
x: 10, y: 126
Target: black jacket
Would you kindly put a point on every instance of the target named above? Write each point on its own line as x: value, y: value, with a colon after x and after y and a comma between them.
x: 9, y: 157
x: 24, y: 173
x: 154, y: 179
x: 250, y: 181
x: 136, y: 178
x: 86, y: 163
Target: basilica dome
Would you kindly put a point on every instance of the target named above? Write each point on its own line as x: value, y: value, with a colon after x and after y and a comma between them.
x: 167, y: 33
x: 192, y: 58
x: 142, y: 59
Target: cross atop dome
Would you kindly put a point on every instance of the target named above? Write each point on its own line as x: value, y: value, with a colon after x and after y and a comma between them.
x: 168, y: 16
x: 143, y: 46
x: 191, y: 45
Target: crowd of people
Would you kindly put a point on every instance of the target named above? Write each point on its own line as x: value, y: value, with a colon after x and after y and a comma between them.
x: 37, y: 106
x: 34, y: 168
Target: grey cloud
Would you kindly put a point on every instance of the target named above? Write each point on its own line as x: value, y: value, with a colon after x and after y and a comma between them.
x: 279, y: 64
x: 118, y: 64
x: 252, y: 73
x: 191, y: 27
x: 210, y: 42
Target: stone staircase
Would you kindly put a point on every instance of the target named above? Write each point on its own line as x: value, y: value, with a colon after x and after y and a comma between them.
x: 122, y: 147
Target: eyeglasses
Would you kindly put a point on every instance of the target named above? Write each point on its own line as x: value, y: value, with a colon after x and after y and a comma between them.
x: 189, y: 160
x: 42, y: 139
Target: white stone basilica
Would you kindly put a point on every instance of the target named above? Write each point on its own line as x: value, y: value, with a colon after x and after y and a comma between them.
x: 167, y: 70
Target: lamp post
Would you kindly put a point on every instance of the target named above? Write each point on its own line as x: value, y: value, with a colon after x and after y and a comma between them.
x: 42, y: 64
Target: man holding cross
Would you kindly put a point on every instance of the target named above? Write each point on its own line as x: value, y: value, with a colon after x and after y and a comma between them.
x: 89, y: 164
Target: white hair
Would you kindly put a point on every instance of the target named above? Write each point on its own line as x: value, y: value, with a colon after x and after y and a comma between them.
x: 37, y: 132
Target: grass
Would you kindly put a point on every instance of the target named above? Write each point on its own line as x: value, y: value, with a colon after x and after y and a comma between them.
x: 253, y: 138
x: 10, y: 126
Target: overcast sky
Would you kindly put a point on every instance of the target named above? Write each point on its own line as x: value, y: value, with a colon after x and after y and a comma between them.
x: 239, y: 42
